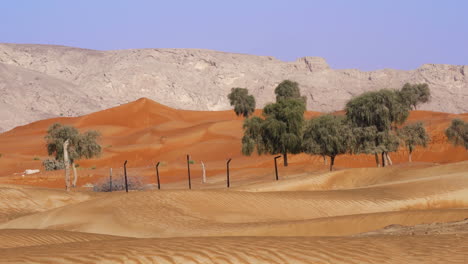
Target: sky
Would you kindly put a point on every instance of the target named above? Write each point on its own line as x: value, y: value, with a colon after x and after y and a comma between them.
x: 362, y: 34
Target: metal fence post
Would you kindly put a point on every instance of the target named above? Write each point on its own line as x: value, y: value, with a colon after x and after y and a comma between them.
x: 125, y: 173
x: 157, y: 175
x: 227, y: 172
x: 276, y: 167
x: 188, y: 171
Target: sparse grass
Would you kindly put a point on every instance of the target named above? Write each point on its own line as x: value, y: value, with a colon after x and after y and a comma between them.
x: 93, y: 167
x: 109, y: 146
x: 1, y: 155
x: 191, y: 161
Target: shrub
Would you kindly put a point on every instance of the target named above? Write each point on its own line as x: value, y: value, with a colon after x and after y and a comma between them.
x: 36, y: 158
x: 93, y: 167
x: 118, y: 184
x: 191, y: 161
x: 53, y: 164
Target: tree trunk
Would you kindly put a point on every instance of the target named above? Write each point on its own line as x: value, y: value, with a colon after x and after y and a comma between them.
x: 377, y: 160
x: 410, y: 159
x: 389, y: 160
x: 75, y: 175
x: 66, y: 161
x: 324, y: 159
x: 203, y: 172
x: 383, y: 159
x: 285, y: 159
x: 332, y: 162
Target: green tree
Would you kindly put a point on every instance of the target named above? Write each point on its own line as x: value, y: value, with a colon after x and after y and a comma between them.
x: 280, y: 129
x: 288, y: 89
x: 384, y: 111
x: 244, y: 104
x: 328, y: 135
x: 79, y: 145
x: 414, y: 135
x: 457, y: 133
x: 414, y: 94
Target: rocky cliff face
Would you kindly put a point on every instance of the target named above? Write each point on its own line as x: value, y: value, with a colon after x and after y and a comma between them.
x: 40, y: 81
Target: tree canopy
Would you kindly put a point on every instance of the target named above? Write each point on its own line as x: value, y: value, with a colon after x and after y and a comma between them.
x: 244, y: 104
x: 414, y: 135
x: 280, y: 129
x: 457, y: 133
x: 382, y: 109
x: 79, y: 145
x: 328, y: 135
x: 414, y: 94
x: 375, y: 116
x: 288, y: 89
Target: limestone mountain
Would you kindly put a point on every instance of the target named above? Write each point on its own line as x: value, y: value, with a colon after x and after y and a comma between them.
x: 42, y: 81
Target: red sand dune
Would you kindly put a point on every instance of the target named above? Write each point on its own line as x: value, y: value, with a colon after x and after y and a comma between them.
x: 144, y: 132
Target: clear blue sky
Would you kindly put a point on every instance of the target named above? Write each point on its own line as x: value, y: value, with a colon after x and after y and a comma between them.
x: 364, y: 34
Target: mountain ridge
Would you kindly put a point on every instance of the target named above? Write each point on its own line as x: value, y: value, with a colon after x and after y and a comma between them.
x: 66, y: 81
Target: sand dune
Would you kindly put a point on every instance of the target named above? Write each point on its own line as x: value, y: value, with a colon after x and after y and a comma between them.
x: 144, y: 132
x: 409, y: 249
x: 219, y: 212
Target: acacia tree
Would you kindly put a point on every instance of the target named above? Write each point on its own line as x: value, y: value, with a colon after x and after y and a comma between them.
x: 327, y: 135
x: 244, y: 104
x: 79, y: 145
x: 414, y: 94
x: 280, y: 129
x: 457, y: 133
x: 414, y: 135
x: 384, y: 111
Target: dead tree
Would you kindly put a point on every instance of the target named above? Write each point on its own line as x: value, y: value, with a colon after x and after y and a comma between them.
x: 203, y: 172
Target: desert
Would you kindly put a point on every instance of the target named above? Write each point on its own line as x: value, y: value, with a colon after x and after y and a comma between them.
x: 308, y: 216
x: 234, y: 132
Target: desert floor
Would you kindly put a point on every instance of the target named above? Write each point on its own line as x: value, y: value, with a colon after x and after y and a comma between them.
x: 406, y: 213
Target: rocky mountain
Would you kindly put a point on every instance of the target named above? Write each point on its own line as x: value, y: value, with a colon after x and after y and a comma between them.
x: 42, y: 81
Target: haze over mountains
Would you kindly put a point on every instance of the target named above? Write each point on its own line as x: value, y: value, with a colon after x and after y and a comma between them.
x: 41, y: 81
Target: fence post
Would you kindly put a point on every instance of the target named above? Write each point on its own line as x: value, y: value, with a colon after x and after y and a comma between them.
x: 227, y: 172
x: 125, y: 173
x: 110, y: 180
x: 276, y: 167
x: 157, y: 175
x: 188, y: 171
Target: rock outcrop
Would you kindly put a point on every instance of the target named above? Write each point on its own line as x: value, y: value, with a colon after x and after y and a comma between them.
x: 41, y: 81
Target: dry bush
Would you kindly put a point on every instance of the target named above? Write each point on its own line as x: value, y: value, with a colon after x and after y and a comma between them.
x: 118, y: 184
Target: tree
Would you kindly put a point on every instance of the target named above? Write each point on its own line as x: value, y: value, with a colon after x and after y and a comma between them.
x: 457, y: 133
x: 327, y: 135
x: 280, y: 129
x: 414, y: 94
x: 288, y: 89
x: 380, y: 112
x: 244, y: 104
x: 79, y: 145
x: 414, y: 135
